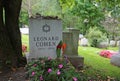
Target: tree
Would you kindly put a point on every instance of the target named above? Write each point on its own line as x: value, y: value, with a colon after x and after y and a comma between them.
x: 10, y: 37
x: 112, y: 17
x: 90, y: 13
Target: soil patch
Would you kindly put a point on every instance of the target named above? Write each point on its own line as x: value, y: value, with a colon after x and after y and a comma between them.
x: 15, y: 75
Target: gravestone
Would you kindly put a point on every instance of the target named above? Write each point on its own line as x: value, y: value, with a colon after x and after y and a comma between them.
x: 115, y: 59
x: 103, y: 44
x: 71, y: 38
x: 68, y: 39
x: 112, y: 43
x: 84, y: 42
x: 44, y: 36
x: 24, y: 31
x: 75, y: 33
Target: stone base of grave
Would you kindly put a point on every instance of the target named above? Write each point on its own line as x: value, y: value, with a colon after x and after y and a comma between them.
x: 77, y: 61
x: 115, y: 60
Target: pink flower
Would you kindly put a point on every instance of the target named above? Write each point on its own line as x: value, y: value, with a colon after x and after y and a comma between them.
x: 49, y: 58
x: 49, y: 70
x: 75, y: 79
x: 60, y: 66
x: 58, y: 72
x: 107, y: 53
x: 33, y: 73
x: 41, y: 78
x: 35, y: 65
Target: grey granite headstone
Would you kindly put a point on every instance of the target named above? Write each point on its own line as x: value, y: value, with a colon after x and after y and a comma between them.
x: 44, y: 36
x: 71, y: 39
x: 84, y: 42
x: 112, y: 43
x: 115, y: 60
x: 103, y: 44
x: 75, y: 33
x: 68, y: 39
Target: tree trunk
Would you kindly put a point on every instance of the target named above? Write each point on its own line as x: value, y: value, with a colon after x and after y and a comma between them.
x: 10, y: 37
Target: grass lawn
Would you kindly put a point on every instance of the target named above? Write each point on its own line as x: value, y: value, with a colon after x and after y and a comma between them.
x: 25, y: 41
x: 97, y: 64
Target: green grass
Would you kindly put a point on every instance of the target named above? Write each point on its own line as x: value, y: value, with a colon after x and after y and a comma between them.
x: 97, y: 64
x: 25, y: 40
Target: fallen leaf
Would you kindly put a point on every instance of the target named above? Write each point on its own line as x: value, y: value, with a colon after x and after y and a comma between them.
x: 13, y: 69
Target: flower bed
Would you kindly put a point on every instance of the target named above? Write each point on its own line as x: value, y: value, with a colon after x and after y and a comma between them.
x: 47, y: 69
x: 107, y: 53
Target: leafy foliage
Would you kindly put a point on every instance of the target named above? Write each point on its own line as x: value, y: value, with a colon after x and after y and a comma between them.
x: 81, y: 14
x: 95, y: 36
x: 23, y: 19
x: 47, y: 69
x: 89, y: 12
x: 66, y: 5
x: 112, y: 27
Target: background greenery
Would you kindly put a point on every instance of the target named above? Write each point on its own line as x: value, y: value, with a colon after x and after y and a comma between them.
x: 80, y: 14
x: 102, y: 16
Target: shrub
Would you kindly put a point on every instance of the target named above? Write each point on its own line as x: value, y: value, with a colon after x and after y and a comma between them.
x: 95, y: 36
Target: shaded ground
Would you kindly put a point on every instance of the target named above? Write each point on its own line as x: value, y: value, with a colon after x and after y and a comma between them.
x: 15, y: 75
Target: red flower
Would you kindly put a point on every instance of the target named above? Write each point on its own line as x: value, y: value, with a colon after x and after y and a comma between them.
x: 63, y: 47
x: 24, y: 48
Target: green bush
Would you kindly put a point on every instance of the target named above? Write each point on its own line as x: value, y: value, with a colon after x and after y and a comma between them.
x: 95, y: 36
